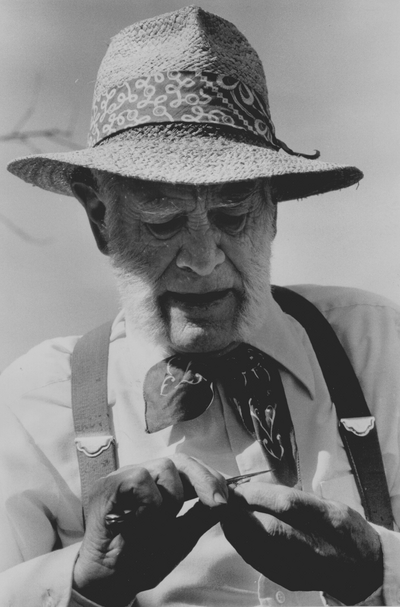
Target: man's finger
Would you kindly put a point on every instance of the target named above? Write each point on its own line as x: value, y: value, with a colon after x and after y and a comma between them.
x: 130, y: 488
x: 199, y: 480
x: 277, y: 550
x: 166, y: 476
x: 298, y: 509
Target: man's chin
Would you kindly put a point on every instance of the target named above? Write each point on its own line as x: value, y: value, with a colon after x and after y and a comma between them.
x: 200, y: 340
x: 201, y: 324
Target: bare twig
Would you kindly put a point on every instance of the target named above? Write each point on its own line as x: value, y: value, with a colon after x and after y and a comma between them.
x: 25, y: 117
x: 26, y: 137
x: 21, y: 233
x: 61, y: 136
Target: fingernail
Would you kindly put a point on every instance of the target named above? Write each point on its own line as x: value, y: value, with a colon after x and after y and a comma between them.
x: 219, y: 498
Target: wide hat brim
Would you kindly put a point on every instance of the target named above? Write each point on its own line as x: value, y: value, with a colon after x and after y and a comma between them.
x: 191, y: 158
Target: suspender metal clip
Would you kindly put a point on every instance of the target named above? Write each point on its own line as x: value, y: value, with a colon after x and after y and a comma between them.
x: 92, y: 446
x: 360, y: 426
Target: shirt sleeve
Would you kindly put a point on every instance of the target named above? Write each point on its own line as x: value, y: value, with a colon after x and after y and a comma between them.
x: 368, y: 326
x: 370, y: 333
x: 391, y: 559
x: 34, y: 571
x: 40, y: 509
x: 44, y: 580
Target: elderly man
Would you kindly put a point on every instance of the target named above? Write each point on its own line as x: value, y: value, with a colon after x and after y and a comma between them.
x: 215, y: 394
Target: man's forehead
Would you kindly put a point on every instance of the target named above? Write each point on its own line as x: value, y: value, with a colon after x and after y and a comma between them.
x: 152, y: 193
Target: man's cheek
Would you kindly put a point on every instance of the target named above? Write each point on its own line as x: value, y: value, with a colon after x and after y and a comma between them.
x: 243, y: 249
x: 150, y: 259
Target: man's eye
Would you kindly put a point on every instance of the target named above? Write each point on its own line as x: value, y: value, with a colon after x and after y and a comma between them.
x: 166, y: 229
x: 233, y: 224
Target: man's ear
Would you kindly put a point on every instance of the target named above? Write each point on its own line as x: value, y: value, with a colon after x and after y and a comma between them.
x: 95, y: 210
x: 271, y: 201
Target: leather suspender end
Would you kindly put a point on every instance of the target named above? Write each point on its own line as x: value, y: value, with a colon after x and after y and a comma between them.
x: 360, y: 426
x: 92, y: 446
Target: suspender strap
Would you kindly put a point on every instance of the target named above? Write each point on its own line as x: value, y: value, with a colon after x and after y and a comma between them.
x: 356, y: 425
x: 94, y: 440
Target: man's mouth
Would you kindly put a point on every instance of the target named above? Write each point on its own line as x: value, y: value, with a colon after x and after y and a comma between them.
x: 198, y: 299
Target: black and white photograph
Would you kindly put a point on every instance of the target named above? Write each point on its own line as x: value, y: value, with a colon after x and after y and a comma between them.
x: 200, y: 303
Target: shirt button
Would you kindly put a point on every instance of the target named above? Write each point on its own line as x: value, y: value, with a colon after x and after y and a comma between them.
x: 280, y: 597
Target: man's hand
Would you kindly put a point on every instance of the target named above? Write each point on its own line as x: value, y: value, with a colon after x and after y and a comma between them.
x: 114, y: 564
x: 303, y: 542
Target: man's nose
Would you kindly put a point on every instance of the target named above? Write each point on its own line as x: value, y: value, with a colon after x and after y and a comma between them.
x: 200, y: 251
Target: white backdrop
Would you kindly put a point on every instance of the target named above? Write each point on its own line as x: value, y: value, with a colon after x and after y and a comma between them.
x: 332, y: 71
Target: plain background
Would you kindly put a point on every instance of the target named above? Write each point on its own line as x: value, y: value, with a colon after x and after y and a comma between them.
x: 333, y: 76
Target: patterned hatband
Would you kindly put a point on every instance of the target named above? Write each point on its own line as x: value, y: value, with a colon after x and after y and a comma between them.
x: 183, y: 96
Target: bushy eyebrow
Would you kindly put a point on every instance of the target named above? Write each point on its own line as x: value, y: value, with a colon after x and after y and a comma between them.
x: 159, y: 213
x: 158, y: 202
x: 160, y: 208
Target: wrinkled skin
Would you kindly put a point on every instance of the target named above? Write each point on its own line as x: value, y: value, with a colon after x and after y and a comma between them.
x: 193, y: 271
x: 303, y: 542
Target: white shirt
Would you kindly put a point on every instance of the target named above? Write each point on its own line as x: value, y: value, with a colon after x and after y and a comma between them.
x: 40, y: 506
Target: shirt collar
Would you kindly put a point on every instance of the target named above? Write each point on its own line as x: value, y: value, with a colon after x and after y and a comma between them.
x: 285, y: 340
x: 277, y: 334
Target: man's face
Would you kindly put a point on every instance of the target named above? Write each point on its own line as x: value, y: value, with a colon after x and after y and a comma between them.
x: 192, y: 262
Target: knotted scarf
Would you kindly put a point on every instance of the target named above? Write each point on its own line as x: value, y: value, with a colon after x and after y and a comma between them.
x: 182, y: 387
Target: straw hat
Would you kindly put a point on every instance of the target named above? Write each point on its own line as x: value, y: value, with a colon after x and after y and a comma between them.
x: 182, y: 98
